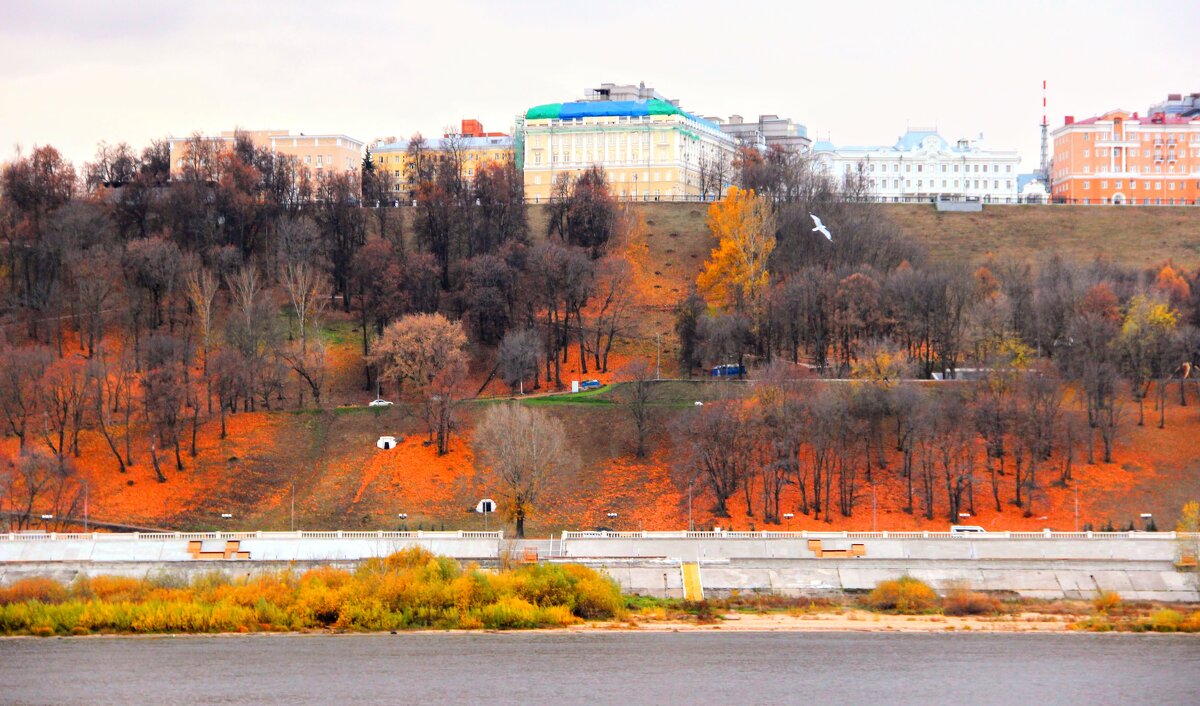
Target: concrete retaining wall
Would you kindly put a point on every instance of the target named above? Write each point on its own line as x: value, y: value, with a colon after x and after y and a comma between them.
x: 1031, y: 579
x: 1076, y: 565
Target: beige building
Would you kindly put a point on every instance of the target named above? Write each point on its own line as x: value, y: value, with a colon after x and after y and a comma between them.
x: 316, y: 152
x: 476, y: 148
x: 648, y: 147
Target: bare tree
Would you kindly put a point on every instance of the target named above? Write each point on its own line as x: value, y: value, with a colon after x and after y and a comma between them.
x: 308, y: 293
x: 21, y: 369
x: 638, y: 394
x: 42, y: 485
x: 523, y: 449
x: 518, y: 358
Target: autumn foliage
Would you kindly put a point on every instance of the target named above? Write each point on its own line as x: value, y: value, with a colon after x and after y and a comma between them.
x: 408, y: 590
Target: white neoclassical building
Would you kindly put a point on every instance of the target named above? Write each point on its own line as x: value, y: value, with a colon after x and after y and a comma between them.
x: 922, y: 166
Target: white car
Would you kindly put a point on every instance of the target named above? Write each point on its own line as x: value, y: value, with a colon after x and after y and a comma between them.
x: 379, y: 403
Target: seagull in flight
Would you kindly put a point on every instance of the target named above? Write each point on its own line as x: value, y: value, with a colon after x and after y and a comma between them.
x: 821, y: 227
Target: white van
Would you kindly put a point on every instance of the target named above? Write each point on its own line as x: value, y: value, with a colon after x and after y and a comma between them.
x: 966, y: 529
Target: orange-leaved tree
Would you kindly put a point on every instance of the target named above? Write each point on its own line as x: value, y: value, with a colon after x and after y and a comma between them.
x: 736, y: 276
x: 426, y: 354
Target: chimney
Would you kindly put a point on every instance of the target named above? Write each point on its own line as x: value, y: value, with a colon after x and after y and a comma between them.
x: 1069, y: 120
x: 735, y: 120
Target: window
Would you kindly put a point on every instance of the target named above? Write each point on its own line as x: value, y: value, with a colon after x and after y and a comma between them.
x: 1118, y: 185
x: 1104, y: 184
x: 1085, y: 153
x: 1087, y: 184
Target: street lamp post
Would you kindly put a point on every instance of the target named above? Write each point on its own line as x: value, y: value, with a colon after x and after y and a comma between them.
x: 788, y: 516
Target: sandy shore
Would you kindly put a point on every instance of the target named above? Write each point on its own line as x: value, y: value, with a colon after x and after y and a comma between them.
x: 860, y: 621
x: 847, y: 621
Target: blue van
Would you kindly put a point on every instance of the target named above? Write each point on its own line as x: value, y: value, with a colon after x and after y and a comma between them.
x: 729, y: 370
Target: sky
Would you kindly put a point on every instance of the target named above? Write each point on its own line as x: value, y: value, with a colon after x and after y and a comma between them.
x: 73, y: 73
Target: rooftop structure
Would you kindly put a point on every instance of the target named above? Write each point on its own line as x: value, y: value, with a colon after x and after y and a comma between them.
x: 767, y: 131
x: 625, y: 92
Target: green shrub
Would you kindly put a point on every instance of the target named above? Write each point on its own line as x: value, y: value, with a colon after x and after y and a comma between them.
x: 903, y: 595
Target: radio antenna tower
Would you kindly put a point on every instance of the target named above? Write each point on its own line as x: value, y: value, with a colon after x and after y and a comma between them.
x: 1045, y: 141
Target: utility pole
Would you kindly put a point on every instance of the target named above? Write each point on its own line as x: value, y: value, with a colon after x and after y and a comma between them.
x: 85, y: 505
x: 1045, y: 167
x: 293, y: 506
x: 1076, y: 508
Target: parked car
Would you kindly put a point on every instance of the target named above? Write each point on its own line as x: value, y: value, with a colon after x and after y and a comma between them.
x: 379, y: 403
x: 728, y: 370
x: 589, y: 385
x: 966, y: 529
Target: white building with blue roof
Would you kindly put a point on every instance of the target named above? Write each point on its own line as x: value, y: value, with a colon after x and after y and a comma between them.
x: 923, y: 166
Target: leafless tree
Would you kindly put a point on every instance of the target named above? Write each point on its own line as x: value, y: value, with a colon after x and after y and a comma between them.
x: 523, y: 449
x: 638, y: 392
x: 518, y: 358
x: 21, y: 371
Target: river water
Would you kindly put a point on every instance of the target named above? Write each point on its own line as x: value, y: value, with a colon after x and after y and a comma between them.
x: 618, y: 667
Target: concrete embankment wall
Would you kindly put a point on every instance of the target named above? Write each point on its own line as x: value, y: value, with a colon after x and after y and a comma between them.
x: 1074, y: 565
x: 1034, y: 565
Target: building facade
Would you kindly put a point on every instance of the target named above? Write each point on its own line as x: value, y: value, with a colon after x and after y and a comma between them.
x: 318, y: 153
x: 923, y: 166
x: 475, y: 146
x: 769, y: 131
x: 1123, y: 158
x: 649, y: 148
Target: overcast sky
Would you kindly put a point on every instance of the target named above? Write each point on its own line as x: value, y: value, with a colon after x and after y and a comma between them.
x: 73, y: 73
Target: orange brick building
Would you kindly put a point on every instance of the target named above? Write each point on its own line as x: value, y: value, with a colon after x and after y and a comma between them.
x: 1124, y: 158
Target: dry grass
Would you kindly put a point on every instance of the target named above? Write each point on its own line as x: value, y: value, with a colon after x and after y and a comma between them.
x: 410, y: 589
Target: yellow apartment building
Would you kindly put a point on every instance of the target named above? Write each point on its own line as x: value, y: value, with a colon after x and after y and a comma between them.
x: 316, y: 152
x: 649, y: 148
x: 476, y: 148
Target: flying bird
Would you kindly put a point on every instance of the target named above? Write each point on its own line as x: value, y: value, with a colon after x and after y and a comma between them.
x: 821, y: 228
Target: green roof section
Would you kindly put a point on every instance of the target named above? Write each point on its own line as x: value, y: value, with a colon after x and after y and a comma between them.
x: 596, y: 109
x: 538, y: 112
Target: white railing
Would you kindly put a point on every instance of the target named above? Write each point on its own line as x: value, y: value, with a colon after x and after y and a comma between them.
x: 805, y: 534
x: 191, y: 536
